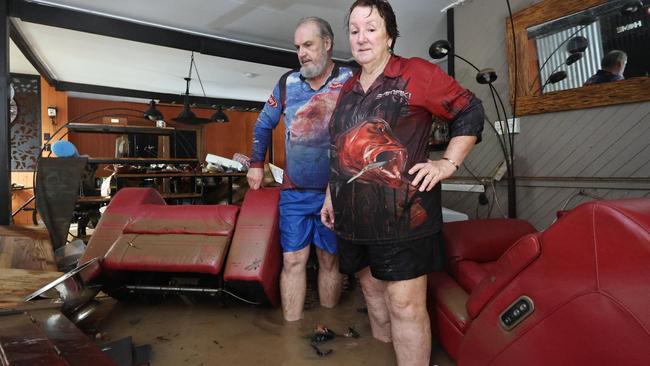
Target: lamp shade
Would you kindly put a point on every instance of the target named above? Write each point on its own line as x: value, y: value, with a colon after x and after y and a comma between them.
x: 219, y: 116
x: 577, y: 44
x: 556, y: 77
x: 440, y: 49
x: 486, y: 76
x: 186, y: 114
x: 573, y: 58
x: 152, y: 113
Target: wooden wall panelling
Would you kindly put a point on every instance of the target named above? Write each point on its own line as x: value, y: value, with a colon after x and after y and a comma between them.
x: 49, y: 97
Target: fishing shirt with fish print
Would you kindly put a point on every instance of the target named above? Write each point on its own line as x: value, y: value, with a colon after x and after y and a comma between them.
x: 378, y: 135
x: 307, y: 113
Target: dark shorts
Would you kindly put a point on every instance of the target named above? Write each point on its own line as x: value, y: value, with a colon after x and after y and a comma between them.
x: 395, y: 261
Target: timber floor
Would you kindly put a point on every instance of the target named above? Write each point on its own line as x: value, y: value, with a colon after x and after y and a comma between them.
x: 26, y: 248
x: 26, y: 263
x: 210, y: 333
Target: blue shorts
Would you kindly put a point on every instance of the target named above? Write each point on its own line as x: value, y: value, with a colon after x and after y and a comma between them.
x: 300, y: 222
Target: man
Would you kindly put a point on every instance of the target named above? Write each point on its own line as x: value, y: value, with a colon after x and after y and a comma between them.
x: 307, y: 99
x: 612, y: 68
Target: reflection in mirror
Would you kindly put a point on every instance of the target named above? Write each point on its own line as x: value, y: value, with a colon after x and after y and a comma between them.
x: 575, y: 50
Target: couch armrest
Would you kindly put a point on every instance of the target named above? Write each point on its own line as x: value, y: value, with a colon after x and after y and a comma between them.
x: 482, y: 240
x: 510, y: 264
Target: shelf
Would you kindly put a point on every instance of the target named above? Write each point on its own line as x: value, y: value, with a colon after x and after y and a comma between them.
x: 93, y: 199
x: 102, y: 128
x: 142, y: 161
x: 178, y: 174
x: 176, y: 196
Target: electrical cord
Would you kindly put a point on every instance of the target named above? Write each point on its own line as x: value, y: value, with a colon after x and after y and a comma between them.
x: 580, y: 192
x: 472, y: 174
x: 496, y: 199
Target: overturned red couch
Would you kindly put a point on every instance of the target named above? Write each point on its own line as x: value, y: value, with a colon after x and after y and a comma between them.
x: 577, y: 293
x: 146, y: 245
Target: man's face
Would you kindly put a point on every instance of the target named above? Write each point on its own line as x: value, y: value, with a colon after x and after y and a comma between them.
x: 311, y: 50
x: 622, y: 66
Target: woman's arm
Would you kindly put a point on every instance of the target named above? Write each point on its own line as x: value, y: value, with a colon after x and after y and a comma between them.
x: 433, y: 171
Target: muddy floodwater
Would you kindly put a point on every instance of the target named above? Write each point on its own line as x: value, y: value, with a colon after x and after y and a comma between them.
x: 207, y: 332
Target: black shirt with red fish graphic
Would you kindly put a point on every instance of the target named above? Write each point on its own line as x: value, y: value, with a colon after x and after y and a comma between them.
x: 378, y: 135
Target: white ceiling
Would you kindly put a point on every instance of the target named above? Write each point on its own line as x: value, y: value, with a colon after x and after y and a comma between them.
x: 91, y: 59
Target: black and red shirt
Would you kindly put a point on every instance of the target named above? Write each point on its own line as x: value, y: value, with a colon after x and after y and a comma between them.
x: 386, y: 131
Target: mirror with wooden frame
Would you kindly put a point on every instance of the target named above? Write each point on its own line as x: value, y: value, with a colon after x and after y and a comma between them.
x: 564, y: 53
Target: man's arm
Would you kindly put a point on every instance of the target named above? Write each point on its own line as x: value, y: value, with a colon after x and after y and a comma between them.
x: 266, y: 122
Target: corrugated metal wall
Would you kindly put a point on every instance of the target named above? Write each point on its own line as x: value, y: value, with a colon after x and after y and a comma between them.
x: 602, y: 151
x: 578, y: 72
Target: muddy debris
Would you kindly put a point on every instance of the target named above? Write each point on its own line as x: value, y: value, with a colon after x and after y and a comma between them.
x: 319, y: 352
x: 351, y: 333
x: 322, y: 334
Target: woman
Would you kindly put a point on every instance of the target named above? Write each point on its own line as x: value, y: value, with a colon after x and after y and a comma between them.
x: 384, y: 198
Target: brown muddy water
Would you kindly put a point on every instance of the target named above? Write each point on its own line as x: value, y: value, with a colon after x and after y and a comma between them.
x: 208, y: 332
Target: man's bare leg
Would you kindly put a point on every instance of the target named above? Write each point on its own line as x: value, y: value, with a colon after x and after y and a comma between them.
x: 374, y: 291
x: 329, y: 278
x: 293, y: 283
x: 409, y: 318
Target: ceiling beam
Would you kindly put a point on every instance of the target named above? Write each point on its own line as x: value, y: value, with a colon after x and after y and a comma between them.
x: 161, y: 97
x: 27, y: 51
x: 112, y: 27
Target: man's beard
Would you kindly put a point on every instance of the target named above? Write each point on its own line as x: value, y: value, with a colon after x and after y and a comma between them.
x: 316, y: 68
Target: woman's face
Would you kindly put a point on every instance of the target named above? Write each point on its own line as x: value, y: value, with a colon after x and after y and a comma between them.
x: 369, y: 40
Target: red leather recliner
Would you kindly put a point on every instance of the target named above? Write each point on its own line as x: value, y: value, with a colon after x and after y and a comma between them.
x: 146, y: 245
x: 577, y: 293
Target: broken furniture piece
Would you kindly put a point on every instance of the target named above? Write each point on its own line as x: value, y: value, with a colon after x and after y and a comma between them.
x: 146, y: 246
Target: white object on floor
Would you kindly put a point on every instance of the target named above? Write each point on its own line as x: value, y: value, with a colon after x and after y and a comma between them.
x: 277, y: 172
x: 451, y: 215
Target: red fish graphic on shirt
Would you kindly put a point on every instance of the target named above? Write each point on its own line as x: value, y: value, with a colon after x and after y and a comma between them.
x: 311, y: 122
x: 373, y: 142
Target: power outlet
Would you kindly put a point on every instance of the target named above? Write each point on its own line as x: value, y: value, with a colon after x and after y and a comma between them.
x: 513, y: 126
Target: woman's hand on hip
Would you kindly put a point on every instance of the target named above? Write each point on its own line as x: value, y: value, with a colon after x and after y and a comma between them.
x: 430, y: 173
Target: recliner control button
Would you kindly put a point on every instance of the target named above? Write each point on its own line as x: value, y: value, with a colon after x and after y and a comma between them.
x: 516, y: 312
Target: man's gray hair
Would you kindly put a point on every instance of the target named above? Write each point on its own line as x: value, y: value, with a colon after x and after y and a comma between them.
x: 613, y: 58
x: 324, y: 28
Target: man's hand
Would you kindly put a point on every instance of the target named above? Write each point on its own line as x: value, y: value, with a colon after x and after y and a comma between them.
x: 430, y: 173
x: 255, y: 177
x: 327, y: 212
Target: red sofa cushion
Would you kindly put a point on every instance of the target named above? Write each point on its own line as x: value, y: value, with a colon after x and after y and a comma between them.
x: 167, y: 253
x: 184, y: 238
x: 480, y: 241
x: 255, y: 254
x: 511, y: 263
x: 471, y: 273
x: 124, y: 204
x: 184, y: 219
x: 447, y: 311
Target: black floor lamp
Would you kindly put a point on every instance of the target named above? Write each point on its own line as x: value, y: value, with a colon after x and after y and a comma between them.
x: 441, y: 49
